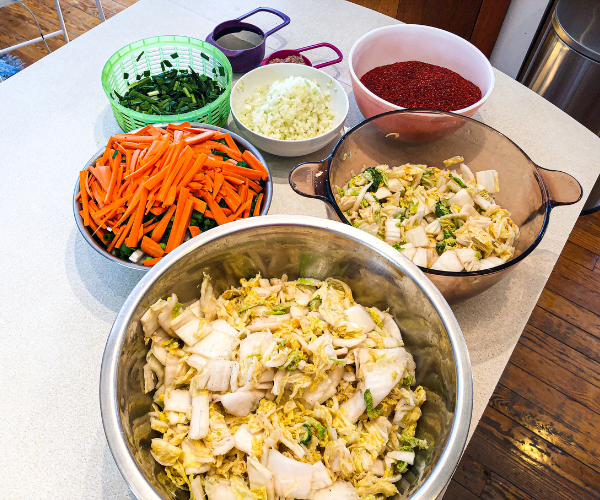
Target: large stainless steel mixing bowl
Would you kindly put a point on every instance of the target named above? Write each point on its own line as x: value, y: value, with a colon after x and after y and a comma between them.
x: 297, y: 246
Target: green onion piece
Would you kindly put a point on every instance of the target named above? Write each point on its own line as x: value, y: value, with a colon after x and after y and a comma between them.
x: 140, y: 56
x: 125, y: 76
x: 204, y: 56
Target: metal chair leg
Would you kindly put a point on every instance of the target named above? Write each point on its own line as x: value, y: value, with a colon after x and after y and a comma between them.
x: 100, y: 11
x: 61, y: 20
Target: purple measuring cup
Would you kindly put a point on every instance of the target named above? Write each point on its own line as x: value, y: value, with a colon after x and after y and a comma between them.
x: 282, y: 54
x: 249, y: 58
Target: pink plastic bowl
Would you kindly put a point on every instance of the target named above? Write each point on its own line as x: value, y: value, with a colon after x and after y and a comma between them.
x: 413, y: 42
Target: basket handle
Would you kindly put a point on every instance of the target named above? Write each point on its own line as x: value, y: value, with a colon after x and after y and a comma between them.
x: 286, y: 19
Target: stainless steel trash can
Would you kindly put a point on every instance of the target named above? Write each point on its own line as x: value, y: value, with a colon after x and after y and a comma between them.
x: 566, y: 68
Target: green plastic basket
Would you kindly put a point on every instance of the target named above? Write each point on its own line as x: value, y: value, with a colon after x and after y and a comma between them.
x: 153, y: 51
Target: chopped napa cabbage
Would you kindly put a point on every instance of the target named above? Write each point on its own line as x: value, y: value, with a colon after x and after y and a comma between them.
x: 278, y: 400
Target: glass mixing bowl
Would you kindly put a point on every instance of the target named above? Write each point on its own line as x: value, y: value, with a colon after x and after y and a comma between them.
x: 527, y: 191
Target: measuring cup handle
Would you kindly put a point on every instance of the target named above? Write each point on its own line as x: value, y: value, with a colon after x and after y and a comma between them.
x: 310, y: 180
x: 563, y: 189
x: 328, y: 63
x: 286, y: 19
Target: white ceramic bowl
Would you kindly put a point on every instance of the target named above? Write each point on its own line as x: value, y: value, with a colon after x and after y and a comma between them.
x: 413, y: 42
x: 263, y: 76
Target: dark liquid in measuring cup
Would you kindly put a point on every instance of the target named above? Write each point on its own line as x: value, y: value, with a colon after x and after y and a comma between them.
x: 238, y: 39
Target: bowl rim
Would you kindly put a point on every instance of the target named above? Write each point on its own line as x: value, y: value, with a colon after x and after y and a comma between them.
x: 287, y: 141
x: 392, y: 27
x: 139, y: 267
x: 150, y: 42
x: 547, y: 206
x: 457, y: 439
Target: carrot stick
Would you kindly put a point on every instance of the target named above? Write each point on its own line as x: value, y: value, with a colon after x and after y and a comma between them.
x: 116, y: 164
x: 249, y: 196
x: 243, y: 193
x: 184, y: 222
x: 115, y: 239
x: 102, y: 173
x: 199, y: 138
x: 125, y: 232
x: 151, y: 262
x: 233, y: 180
x: 183, y: 170
x: 191, y: 173
x: 239, y: 211
x: 248, y: 173
x: 134, y: 202
x: 199, y: 205
x: 155, y: 179
x: 232, y: 199
x: 231, y: 143
x: 216, y: 210
x: 170, y: 199
x: 151, y: 247
x: 252, y: 160
x: 160, y: 229
x: 181, y: 202
x: 158, y: 210
x: 132, y: 138
x: 218, y: 182
x: 194, y: 231
x: 257, y: 206
x: 132, y: 240
x: 174, y: 166
x: 251, y: 184
x: 84, y: 197
x: 143, y: 130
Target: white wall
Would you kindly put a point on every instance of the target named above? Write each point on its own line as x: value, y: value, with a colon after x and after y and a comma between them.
x: 516, y: 35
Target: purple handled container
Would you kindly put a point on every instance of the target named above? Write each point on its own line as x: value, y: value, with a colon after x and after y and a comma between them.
x: 250, y: 58
x: 282, y: 54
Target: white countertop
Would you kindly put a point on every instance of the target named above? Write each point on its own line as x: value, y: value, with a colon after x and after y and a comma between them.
x: 60, y: 297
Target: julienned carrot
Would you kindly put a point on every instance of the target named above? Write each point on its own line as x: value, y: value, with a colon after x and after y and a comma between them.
x: 160, y: 229
x: 173, y: 237
x: 218, y: 183
x: 249, y: 196
x: 132, y: 240
x: 231, y: 143
x: 84, y: 196
x: 199, y: 205
x: 170, y: 199
x: 158, y: 210
x: 215, y: 209
x: 168, y: 174
x: 233, y: 180
x: 199, y: 138
x: 116, y: 164
x: 195, y: 168
x: 151, y: 247
x: 151, y: 262
x: 257, y: 206
x: 252, y: 160
x: 254, y: 175
x: 240, y: 210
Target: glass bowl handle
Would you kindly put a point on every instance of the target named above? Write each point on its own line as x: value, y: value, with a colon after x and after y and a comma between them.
x: 563, y: 189
x: 310, y: 180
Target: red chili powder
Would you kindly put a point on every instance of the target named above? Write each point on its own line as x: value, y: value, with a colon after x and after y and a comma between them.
x: 415, y: 84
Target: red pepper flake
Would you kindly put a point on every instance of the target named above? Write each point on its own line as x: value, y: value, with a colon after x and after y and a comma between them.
x: 415, y: 84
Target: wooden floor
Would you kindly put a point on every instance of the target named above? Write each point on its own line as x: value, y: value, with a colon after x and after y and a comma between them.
x: 540, y: 435
x: 17, y: 25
